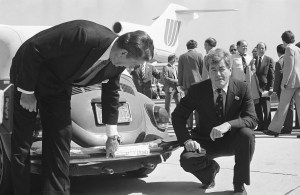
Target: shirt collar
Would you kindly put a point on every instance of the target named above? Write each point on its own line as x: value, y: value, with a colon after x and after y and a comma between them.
x: 105, y: 55
x: 225, y: 88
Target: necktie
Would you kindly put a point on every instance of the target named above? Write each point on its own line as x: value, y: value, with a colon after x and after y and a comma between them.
x: 219, y: 107
x: 244, y: 63
x: 259, y: 64
x: 91, y: 72
x: 143, y: 69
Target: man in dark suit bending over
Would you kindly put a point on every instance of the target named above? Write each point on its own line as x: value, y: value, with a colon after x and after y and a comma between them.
x: 43, y: 71
x: 226, y: 115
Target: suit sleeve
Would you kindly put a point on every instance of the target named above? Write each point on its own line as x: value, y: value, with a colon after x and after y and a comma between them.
x: 248, y: 116
x: 166, y: 77
x: 289, y: 64
x: 270, y: 76
x: 180, y: 115
x: 110, y: 100
x: 277, y: 79
x: 200, y: 58
x: 180, y: 72
x: 47, y: 45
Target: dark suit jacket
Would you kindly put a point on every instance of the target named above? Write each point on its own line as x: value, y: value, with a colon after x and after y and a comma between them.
x: 265, y: 74
x: 50, y: 61
x: 239, y: 110
x: 278, y: 76
x: 170, y: 80
x: 150, y: 72
x: 190, y: 66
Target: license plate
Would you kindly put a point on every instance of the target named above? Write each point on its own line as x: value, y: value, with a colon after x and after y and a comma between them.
x: 124, y: 113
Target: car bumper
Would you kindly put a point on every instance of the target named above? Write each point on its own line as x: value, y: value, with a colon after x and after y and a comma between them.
x: 93, y: 161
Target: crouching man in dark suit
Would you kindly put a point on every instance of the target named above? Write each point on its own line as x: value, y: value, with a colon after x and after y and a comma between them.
x: 43, y: 71
x: 226, y: 115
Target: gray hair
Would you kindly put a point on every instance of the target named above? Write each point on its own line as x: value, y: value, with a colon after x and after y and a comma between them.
x: 216, y: 56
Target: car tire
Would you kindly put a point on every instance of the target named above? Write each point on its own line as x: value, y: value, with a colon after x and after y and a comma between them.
x: 142, y: 172
x: 5, y: 177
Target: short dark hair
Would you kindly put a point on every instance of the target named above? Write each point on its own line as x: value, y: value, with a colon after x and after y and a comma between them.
x: 171, y: 57
x: 298, y: 44
x: 211, y: 42
x: 280, y: 49
x: 216, y: 56
x: 288, y: 37
x: 138, y: 44
x: 240, y: 42
x: 191, y: 44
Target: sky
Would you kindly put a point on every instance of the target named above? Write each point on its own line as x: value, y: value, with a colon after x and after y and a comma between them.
x: 256, y: 20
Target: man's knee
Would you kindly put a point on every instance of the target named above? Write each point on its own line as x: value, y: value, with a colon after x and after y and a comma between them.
x: 193, y: 161
x: 246, y: 134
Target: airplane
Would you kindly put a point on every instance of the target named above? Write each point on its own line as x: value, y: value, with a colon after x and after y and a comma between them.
x: 165, y: 29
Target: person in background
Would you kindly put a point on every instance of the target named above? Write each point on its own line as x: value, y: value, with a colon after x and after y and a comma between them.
x: 190, y: 66
x: 290, y: 84
x: 297, y: 125
x: 254, y: 52
x: 43, y: 71
x: 227, y: 117
x: 288, y: 123
x: 264, y: 66
x: 241, y: 66
x: 209, y: 44
x: 233, y: 49
x: 170, y: 76
x: 142, y: 77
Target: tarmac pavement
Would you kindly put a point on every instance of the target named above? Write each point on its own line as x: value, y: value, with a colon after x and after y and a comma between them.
x: 275, y: 170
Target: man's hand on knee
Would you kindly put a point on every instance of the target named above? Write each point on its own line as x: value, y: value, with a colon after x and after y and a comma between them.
x: 218, y: 131
x: 191, y: 146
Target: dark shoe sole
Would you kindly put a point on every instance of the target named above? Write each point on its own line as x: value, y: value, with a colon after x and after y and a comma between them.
x: 271, y: 133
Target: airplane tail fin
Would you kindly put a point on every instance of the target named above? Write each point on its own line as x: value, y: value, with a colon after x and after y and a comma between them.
x: 165, y: 29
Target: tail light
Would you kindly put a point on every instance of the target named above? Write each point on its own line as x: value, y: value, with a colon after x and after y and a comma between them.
x: 158, y: 115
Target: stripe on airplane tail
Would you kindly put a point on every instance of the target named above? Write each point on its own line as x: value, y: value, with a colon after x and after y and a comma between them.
x: 171, y: 32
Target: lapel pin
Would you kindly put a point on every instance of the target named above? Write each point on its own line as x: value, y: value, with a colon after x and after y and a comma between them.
x: 236, y: 98
x: 105, y: 81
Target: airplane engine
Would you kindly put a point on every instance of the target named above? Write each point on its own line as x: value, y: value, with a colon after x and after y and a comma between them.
x: 124, y: 27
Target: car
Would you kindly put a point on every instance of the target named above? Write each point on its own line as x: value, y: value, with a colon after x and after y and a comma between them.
x: 141, y: 124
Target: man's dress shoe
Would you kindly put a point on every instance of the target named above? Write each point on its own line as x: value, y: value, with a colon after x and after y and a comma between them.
x: 211, y: 184
x: 239, y: 189
x: 271, y: 133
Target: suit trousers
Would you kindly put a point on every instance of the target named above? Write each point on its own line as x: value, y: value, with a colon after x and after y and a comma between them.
x: 288, y: 122
x: 146, y: 89
x: 240, y: 142
x: 263, y: 112
x: 285, y: 98
x: 57, y: 133
x: 168, y: 97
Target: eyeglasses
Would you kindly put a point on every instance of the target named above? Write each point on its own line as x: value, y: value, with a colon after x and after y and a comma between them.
x: 232, y: 49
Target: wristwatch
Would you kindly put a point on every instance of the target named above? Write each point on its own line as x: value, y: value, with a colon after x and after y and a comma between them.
x: 115, y: 137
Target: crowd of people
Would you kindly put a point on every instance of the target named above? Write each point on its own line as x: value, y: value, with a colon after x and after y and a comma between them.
x: 231, y: 101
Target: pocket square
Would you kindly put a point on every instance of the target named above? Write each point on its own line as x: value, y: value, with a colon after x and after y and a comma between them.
x: 236, y: 98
